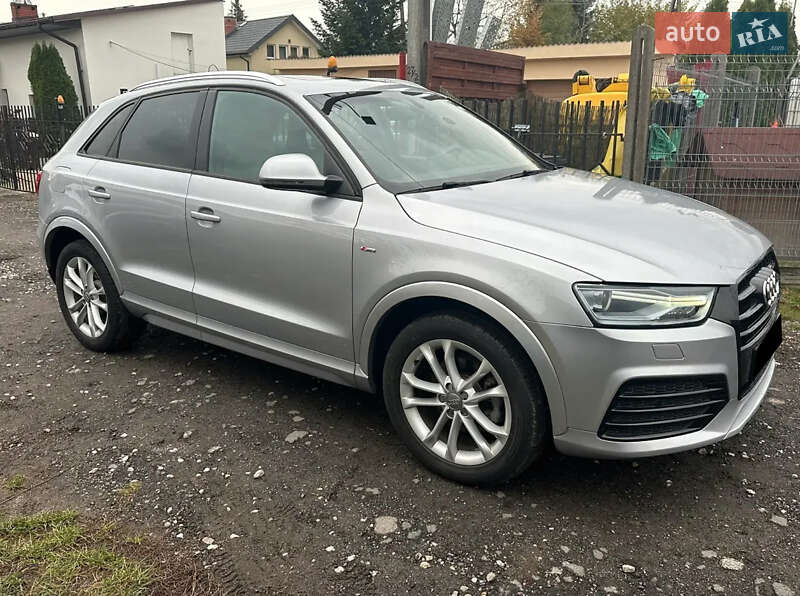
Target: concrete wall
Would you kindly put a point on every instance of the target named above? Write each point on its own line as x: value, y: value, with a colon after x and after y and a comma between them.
x: 142, y: 47
x: 15, y: 55
x: 349, y: 66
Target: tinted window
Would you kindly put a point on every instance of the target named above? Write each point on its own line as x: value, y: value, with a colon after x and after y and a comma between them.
x: 161, y: 131
x: 249, y: 128
x: 103, y: 140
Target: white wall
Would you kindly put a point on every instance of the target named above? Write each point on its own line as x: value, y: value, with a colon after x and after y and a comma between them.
x: 148, y: 49
x: 15, y: 55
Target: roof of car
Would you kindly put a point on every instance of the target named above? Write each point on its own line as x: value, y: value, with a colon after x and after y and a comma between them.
x: 301, y: 84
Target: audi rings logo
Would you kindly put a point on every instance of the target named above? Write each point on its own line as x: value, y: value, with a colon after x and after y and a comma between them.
x: 771, y: 288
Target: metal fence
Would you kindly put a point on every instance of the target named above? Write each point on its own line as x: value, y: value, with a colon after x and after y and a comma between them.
x: 28, y: 139
x: 726, y: 131
x: 570, y: 135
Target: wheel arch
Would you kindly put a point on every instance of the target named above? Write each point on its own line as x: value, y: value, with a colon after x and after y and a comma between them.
x: 407, y: 303
x: 63, y: 230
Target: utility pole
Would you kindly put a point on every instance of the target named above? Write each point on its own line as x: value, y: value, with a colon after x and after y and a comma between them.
x: 419, y: 31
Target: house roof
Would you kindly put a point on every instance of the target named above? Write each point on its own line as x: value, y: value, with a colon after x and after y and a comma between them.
x: 247, y: 37
x: 27, y: 26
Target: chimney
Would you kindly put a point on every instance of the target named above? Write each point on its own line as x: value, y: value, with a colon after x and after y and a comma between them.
x: 230, y: 24
x: 22, y: 11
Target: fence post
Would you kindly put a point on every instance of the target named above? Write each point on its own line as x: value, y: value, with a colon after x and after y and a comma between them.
x: 640, y: 84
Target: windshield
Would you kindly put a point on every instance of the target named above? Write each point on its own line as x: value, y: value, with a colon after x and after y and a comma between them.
x: 410, y: 140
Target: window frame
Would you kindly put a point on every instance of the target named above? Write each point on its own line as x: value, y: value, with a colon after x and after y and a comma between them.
x: 271, y: 47
x: 204, y: 141
x: 306, y: 52
x: 285, y: 52
x: 113, y: 152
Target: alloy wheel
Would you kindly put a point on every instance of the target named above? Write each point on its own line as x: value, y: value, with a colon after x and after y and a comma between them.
x: 85, y: 297
x: 455, y: 402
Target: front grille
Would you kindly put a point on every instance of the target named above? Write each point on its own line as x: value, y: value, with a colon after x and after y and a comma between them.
x: 660, y: 407
x: 755, y: 317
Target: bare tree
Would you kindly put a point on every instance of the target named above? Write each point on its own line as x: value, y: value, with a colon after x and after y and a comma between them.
x: 502, y: 9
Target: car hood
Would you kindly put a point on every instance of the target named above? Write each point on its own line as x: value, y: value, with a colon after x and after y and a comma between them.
x: 612, y: 229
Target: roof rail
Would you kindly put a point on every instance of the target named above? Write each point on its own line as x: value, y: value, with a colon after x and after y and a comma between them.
x: 214, y: 74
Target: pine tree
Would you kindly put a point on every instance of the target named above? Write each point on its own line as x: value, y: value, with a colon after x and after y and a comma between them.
x: 237, y: 10
x: 49, y: 79
x: 360, y: 27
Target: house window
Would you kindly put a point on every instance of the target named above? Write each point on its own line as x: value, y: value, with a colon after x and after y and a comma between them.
x: 270, y: 52
x: 3, y: 98
x: 306, y: 52
x: 294, y: 51
x: 282, y: 52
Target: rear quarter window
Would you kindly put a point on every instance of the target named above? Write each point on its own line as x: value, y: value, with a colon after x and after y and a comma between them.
x: 104, y: 139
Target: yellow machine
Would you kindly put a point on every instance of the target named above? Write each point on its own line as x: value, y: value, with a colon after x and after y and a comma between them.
x: 584, y: 91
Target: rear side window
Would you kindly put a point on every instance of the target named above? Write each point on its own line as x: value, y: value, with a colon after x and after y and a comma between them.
x: 161, y: 131
x: 104, y: 139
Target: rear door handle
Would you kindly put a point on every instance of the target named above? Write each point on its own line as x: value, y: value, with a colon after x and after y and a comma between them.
x: 205, y: 214
x: 99, y: 193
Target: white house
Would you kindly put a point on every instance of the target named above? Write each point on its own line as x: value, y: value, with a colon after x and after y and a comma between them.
x: 109, y: 51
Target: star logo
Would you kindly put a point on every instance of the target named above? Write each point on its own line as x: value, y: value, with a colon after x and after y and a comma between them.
x: 756, y: 23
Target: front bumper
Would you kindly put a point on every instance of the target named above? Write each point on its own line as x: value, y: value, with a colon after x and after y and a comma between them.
x: 592, y: 364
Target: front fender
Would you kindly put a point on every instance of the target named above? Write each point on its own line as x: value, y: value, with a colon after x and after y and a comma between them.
x: 489, y: 306
x: 65, y: 221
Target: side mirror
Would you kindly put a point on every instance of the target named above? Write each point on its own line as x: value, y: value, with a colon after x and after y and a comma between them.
x: 296, y: 171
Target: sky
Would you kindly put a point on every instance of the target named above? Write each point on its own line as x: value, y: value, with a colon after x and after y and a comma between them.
x: 254, y: 9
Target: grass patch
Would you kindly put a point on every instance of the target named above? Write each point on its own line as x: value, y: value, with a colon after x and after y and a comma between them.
x: 16, y: 482
x: 790, y: 303
x: 55, y: 553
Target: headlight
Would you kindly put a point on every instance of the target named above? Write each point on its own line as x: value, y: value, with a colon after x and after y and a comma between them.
x: 644, y: 306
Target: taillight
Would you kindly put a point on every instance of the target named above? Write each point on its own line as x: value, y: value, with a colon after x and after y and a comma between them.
x: 38, y: 181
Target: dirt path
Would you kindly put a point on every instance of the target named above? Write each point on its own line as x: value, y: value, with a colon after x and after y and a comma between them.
x: 194, y: 423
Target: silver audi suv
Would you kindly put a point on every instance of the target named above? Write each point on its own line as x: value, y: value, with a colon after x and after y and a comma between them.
x: 379, y: 235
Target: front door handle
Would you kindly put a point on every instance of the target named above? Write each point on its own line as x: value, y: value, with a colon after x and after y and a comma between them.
x: 205, y: 214
x: 98, y: 192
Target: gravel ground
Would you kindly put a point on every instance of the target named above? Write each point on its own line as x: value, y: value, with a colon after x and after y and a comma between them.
x: 288, y: 484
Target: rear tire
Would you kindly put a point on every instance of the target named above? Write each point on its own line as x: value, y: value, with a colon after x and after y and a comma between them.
x: 90, y: 302
x: 501, y: 420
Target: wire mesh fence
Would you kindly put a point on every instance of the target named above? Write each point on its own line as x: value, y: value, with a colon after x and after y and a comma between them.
x: 28, y: 138
x: 726, y: 131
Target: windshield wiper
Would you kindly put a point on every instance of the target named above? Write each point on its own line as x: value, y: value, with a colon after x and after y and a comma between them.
x: 447, y: 184
x: 326, y: 108
x: 521, y: 174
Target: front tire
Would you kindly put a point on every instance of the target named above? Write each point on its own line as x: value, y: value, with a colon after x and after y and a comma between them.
x: 89, y: 300
x: 465, y: 399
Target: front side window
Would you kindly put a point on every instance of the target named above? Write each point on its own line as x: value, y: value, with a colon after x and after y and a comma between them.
x: 282, y: 52
x: 249, y: 128
x: 270, y: 51
x: 294, y: 51
x: 160, y: 132
x: 411, y: 139
x: 306, y: 52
